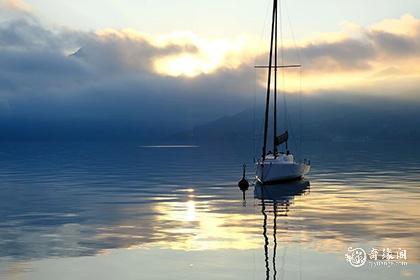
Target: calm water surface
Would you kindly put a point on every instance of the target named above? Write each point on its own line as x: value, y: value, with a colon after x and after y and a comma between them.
x: 123, y: 211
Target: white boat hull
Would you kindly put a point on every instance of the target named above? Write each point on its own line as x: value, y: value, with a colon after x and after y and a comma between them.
x: 278, y: 170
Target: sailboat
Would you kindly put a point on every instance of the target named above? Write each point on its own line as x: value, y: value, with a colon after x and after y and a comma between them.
x: 276, y: 166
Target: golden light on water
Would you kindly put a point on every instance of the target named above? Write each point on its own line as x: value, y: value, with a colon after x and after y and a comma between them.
x: 203, y: 230
x: 191, y: 212
x: 202, y: 225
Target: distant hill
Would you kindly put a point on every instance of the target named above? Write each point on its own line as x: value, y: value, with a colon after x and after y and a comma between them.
x: 323, y: 118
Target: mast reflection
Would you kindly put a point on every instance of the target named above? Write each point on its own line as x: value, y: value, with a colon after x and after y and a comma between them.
x: 279, y: 198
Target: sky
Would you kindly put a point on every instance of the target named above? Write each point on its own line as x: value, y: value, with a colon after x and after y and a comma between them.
x: 176, y: 64
x: 210, y: 18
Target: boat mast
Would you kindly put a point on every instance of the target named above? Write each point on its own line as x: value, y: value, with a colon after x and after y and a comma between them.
x: 267, y: 102
x: 275, y: 87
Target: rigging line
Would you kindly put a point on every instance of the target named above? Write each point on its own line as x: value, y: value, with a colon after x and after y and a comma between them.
x: 256, y: 135
x: 300, y: 112
x: 256, y: 54
x: 267, y: 12
x: 286, y: 119
x: 292, y: 33
x: 254, y: 114
x: 299, y: 56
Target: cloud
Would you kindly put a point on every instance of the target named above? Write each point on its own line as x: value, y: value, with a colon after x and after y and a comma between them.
x: 348, y: 54
x: 406, y: 25
x: 170, y: 82
x: 104, y: 79
x: 351, y: 58
x: 389, y: 45
x: 330, y: 61
x: 358, y: 47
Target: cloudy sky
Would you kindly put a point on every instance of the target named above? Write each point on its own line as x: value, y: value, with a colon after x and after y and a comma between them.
x: 183, y: 62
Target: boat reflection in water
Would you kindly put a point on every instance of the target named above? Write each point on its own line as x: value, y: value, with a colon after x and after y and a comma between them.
x: 276, y: 199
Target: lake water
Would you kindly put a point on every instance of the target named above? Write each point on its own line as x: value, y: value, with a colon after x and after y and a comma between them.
x: 123, y: 211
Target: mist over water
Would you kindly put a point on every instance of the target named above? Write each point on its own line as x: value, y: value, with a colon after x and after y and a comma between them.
x: 77, y: 206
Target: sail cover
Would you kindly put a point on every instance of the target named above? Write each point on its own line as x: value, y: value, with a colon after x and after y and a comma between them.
x: 282, y: 138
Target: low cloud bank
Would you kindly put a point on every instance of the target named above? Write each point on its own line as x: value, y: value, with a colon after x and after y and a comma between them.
x: 65, y: 84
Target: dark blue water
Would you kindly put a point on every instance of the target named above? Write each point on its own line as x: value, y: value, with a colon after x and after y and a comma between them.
x: 120, y: 210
